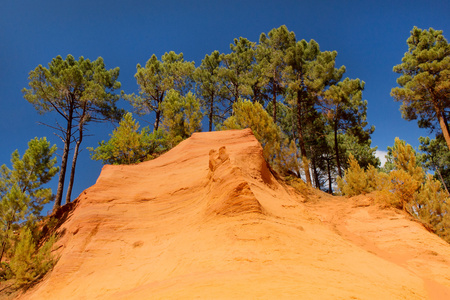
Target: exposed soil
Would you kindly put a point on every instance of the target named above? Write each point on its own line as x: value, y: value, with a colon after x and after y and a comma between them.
x: 208, y: 220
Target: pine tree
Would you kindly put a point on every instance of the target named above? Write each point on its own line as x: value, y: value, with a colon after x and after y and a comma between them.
x: 432, y: 206
x: 22, y: 193
x: 407, y: 175
x: 156, y: 79
x: 309, y: 71
x: 80, y: 92
x: 271, y: 53
x: 425, y: 80
x: 128, y: 145
x: 403, y: 186
x: 29, y: 262
x: 209, y: 87
x: 181, y: 116
x: 355, y: 181
x: 346, y: 112
x: 235, y: 72
x: 252, y: 115
x: 436, y: 158
x: 405, y: 159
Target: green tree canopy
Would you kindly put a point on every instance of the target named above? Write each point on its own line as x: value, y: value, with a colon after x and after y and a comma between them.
x: 236, y: 71
x: 22, y: 195
x: 156, y: 79
x: 79, y: 91
x: 252, y: 115
x: 435, y: 157
x: 129, y: 146
x: 209, y: 87
x: 309, y: 71
x: 346, y: 112
x: 321, y: 118
x: 271, y: 53
x: 425, y: 80
x: 181, y: 116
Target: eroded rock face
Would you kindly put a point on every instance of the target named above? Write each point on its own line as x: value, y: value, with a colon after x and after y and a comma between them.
x: 208, y: 220
x: 230, y: 193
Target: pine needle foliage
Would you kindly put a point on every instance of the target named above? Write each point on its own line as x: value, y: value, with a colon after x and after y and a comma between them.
x: 405, y: 179
x: 289, y: 161
x: 22, y: 197
x: 424, y: 85
x: 436, y: 158
x: 405, y: 159
x: 404, y: 187
x: 29, y: 262
x: 79, y: 92
x: 128, y: 145
x: 156, y: 79
x: 181, y: 116
x: 356, y: 181
x: 253, y: 115
x: 432, y: 206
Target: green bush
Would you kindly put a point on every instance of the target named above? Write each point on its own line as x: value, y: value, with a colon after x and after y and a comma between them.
x: 128, y: 145
x: 5, y: 272
x: 431, y: 205
x: 404, y: 187
x: 29, y: 262
x: 279, y: 153
x: 356, y: 181
x: 300, y: 186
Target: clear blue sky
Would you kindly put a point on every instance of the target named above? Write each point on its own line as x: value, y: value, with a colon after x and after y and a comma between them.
x: 369, y: 36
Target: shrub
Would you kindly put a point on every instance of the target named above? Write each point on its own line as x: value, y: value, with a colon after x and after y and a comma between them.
x: 182, y: 116
x: 128, y: 145
x: 5, y: 272
x: 356, y: 181
x: 253, y: 115
x: 300, y: 186
x: 403, y: 186
x: 29, y: 263
x: 432, y: 207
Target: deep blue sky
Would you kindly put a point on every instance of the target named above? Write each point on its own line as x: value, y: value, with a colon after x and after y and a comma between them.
x: 369, y: 36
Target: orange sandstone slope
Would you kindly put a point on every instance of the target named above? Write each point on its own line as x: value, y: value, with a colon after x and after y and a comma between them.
x: 209, y: 220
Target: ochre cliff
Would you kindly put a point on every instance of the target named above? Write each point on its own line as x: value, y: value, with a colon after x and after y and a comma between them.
x: 208, y: 220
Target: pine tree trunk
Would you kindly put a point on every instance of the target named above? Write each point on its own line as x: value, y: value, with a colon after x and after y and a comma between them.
x: 314, y: 168
x: 442, y: 180
x: 301, y: 140
x: 158, y: 112
x: 74, y: 161
x: 336, y: 150
x: 157, y: 119
x: 444, y: 125
x: 330, y: 188
x: 72, y: 172
x: 274, y: 101
x: 211, y: 112
x: 8, y: 227
x: 62, y: 173
x: 316, y: 175
x: 3, y: 250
